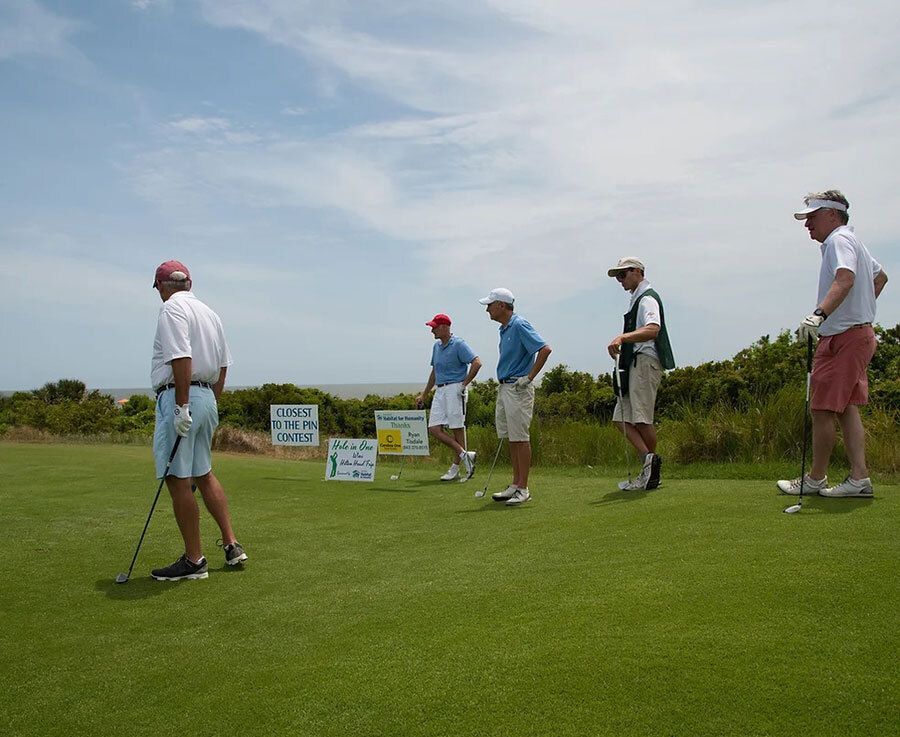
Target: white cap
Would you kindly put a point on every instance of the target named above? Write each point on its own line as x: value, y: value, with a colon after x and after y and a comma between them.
x: 627, y: 262
x: 813, y: 205
x: 498, y: 294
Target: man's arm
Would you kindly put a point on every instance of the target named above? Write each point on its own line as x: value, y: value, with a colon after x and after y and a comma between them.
x: 648, y: 332
x: 181, y: 370
x: 542, y: 355
x: 220, y: 382
x: 880, y: 280
x: 420, y: 400
x: 474, y: 368
x: 838, y: 291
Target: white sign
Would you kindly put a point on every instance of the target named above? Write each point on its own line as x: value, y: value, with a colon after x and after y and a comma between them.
x: 351, y: 460
x: 294, y: 424
x: 402, y: 432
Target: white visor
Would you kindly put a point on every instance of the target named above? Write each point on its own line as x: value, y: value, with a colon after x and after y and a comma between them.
x: 813, y: 205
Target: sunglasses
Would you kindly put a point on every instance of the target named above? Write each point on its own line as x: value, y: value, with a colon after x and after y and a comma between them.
x: 620, y: 276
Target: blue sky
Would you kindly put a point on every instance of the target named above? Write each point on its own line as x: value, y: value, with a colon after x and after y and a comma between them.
x: 335, y: 173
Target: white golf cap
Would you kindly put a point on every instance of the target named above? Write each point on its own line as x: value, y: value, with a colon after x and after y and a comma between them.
x: 628, y: 262
x: 498, y: 294
x: 813, y: 205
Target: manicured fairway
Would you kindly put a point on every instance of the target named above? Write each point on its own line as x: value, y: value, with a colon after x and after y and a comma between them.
x: 412, y: 608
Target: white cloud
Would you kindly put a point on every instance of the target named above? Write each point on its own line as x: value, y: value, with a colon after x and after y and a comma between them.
x: 27, y: 29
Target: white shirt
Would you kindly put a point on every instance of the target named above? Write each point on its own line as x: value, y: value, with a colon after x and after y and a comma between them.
x: 648, y: 314
x: 187, y: 328
x: 843, y: 250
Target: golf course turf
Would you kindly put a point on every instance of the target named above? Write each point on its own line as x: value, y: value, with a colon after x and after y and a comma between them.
x: 411, y: 608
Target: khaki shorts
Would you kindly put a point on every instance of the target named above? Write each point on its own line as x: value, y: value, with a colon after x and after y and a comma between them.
x: 514, y: 412
x: 839, y: 370
x: 643, y: 382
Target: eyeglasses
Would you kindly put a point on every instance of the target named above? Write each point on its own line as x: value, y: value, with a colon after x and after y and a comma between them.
x: 620, y: 276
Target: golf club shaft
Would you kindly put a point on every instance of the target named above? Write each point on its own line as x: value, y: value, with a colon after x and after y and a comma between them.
x: 153, y: 506
x: 809, y: 355
x: 491, y: 472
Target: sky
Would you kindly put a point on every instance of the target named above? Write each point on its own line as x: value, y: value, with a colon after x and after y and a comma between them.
x: 335, y: 173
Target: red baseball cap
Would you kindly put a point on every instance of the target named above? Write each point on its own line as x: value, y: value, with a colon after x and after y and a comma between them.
x: 439, y: 319
x: 171, y: 271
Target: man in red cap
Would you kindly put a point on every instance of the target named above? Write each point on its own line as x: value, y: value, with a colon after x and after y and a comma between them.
x: 190, y: 359
x: 453, y: 367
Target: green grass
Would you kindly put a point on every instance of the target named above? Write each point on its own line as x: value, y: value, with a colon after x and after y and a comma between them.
x: 411, y: 608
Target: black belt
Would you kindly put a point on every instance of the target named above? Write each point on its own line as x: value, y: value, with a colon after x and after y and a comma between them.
x: 447, y: 383
x: 164, y: 387
x: 510, y: 380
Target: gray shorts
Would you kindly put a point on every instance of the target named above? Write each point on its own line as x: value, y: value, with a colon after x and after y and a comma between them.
x: 514, y: 412
x: 194, y: 456
x: 643, y: 383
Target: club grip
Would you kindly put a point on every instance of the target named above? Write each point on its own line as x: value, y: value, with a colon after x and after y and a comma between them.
x: 809, y: 353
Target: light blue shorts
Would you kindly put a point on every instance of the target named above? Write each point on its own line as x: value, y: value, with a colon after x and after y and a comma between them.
x: 194, y: 457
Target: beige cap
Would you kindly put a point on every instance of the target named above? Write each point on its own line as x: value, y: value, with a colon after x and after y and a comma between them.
x: 628, y: 262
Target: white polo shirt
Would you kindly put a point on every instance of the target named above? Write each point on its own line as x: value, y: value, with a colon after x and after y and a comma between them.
x: 843, y: 250
x: 187, y: 328
x: 648, y: 314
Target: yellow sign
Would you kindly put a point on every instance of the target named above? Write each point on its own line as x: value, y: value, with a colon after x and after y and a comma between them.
x: 390, y: 441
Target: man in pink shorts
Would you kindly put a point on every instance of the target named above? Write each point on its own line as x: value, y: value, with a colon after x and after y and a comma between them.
x: 850, y: 281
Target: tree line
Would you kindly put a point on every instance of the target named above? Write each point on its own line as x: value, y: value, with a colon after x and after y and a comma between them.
x: 748, y: 381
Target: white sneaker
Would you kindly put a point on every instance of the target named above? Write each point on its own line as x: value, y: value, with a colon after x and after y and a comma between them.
x: 507, y: 493
x: 851, y: 488
x: 638, y: 484
x: 451, y: 474
x: 810, y: 486
x: 468, y: 461
x: 519, y: 497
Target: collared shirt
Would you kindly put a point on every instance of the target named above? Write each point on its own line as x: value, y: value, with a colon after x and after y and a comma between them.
x: 843, y: 250
x: 648, y: 314
x: 518, y: 344
x: 187, y: 328
x: 451, y: 361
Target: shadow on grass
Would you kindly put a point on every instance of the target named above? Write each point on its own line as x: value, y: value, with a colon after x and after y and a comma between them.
x: 142, y: 587
x: 825, y: 505
x: 619, y: 495
x: 491, y: 507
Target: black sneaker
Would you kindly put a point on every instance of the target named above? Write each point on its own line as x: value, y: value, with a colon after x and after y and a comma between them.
x: 655, y: 468
x: 234, y: 553
x: 181, y: 569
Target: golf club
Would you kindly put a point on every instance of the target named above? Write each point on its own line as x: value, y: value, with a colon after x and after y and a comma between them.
x: 123, y: 577
x: 794, y: 508
x: 481, y: 492
x: 396, y: 476
x: 623, y: 484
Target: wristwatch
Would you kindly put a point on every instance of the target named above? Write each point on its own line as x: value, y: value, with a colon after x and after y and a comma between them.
x: 819, y: 312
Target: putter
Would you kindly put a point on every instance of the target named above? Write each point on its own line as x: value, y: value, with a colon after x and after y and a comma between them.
x: 481, y: 492
x: 794, y: 508
x: 123, y: 577
x: 623, y: 484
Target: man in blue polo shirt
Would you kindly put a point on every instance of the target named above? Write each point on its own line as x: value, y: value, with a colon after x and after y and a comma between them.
x: 453, y: 367
x: 523, y: 354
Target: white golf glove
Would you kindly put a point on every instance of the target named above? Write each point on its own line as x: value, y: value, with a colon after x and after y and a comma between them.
x: 809, y: 328
x: 522, y: 383
x: 183, y: 419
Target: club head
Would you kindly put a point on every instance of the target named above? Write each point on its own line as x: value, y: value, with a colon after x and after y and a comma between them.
x: 394, y: 477
x: 122, y: 578
x: 793, y: 509
x: 479, y: 493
